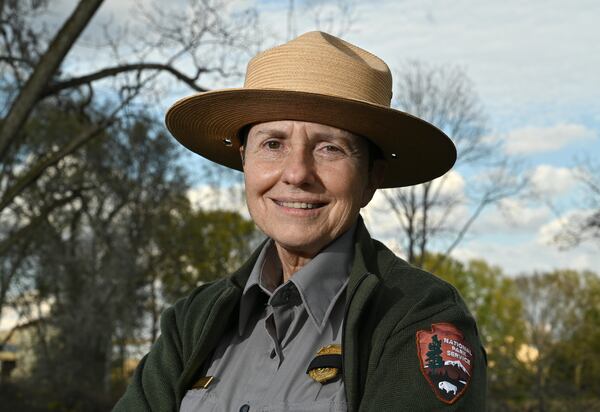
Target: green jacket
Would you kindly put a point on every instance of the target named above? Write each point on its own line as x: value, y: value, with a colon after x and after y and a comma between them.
x: 390, y: 309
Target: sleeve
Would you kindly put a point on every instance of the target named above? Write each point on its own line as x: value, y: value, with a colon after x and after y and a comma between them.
x: 435, y: 363
x: 154, y: 384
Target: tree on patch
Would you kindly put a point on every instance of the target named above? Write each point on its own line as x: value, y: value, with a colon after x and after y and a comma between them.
x: 434, y: 359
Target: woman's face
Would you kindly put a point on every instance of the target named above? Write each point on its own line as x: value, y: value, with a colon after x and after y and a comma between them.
x: 306, y: 182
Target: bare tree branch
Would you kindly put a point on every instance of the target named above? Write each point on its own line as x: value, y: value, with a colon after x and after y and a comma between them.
x: 583, y: 225
x: 113, y: 71
x: 26, y: 230
x: 44, y: 70
x: 444, y: 97
x: 38, y: 168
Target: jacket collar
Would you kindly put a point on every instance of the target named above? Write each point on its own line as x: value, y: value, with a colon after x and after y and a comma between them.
x: 365, y: 278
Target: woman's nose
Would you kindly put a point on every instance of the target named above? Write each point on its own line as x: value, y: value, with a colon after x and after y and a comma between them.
x: 299, y: 167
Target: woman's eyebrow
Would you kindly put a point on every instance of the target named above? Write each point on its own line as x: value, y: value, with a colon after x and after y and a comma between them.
x: 332, y: 137
x: 272, y: 132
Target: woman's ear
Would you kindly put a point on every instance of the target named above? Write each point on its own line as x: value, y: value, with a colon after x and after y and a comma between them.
x: 242, y: 155
x: 376, y: 175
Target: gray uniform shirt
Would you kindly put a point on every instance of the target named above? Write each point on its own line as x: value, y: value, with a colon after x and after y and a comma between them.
x: 261, y: 365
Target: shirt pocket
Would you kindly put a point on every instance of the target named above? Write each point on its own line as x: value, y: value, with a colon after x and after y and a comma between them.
x: 199, y: 400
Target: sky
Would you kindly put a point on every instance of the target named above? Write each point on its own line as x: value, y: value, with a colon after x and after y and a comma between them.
x: 535, y: 67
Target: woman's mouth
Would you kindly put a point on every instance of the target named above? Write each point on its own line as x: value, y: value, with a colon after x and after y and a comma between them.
x: 299, y: 205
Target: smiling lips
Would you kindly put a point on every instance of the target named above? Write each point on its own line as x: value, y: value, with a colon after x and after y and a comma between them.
x: 299, y: 205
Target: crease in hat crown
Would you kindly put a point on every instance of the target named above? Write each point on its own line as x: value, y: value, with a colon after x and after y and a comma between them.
x: 318, y: 62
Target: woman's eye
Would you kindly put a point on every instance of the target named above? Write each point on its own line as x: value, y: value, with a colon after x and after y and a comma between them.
x: 273, y: 144
x: 332, y: 149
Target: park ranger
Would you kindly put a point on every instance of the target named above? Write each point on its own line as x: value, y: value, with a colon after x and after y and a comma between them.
x: 321, y: 317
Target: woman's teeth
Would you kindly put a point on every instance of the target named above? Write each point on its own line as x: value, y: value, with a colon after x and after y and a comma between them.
x: 299, y: 205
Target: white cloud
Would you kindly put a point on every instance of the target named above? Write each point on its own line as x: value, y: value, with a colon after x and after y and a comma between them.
x: 511, y: 216
x: 530, y: 140
x: 517, y: 237
x: 527, y: 256
x: 219, y: 198
x: 551, y: 65
x: 381, y: 222
x: 559, y: 230
x: 451, y: 184
x: 384, y: 223
x: 508, y: 216
x: 553, y: 181
x: 547, y: 233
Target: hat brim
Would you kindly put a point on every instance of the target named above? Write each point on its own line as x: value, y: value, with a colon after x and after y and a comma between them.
x: 208, y: 124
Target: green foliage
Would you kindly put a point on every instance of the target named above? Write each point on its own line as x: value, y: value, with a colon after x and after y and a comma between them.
x: 199, y: 246
x: 89, y: 258
x: 561, y: 311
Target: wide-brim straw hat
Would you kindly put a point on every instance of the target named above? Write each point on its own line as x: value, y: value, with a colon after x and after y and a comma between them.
x: 316, y: 78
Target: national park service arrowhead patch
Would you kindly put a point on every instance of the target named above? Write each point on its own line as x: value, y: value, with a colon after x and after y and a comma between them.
x: 446, y: 360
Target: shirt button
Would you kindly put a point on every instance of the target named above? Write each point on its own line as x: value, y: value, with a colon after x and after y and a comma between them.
x: 245, y: 408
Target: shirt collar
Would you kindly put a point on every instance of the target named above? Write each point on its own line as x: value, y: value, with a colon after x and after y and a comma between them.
x: 320, y: 283
x: 324, y: 278
x: 254, y: 289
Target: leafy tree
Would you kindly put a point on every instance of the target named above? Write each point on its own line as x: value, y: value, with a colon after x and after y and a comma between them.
x: 202, y: 246
x: 128, y: 244
x: 190, y: 247
x: 560, y: 309
x: 88, y: 262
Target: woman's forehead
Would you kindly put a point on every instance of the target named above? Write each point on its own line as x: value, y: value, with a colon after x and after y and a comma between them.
x: 285, y: 128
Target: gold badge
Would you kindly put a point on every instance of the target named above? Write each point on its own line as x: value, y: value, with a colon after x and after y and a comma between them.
x: 203, y: 382
x: 323, y: 375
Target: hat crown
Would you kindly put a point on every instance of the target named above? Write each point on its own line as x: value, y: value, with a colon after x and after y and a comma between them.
x: 317, y: 62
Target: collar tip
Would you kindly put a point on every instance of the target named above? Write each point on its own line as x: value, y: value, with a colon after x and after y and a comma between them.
x: 320, y: 326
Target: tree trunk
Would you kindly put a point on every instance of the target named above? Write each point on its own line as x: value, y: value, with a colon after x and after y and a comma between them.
x: 44, y: 70
x: 540, y: 386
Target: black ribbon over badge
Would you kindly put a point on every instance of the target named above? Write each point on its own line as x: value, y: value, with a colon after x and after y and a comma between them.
x: 327, y: 364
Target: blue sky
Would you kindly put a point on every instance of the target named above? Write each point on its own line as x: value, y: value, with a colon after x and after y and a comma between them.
x: 536, y: 68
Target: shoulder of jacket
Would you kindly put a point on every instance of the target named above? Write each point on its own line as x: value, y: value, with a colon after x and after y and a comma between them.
x: 409, y: 297
x: 414, y: 283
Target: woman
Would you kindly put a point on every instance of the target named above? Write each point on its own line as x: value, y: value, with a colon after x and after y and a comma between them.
x: 321, y: 317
